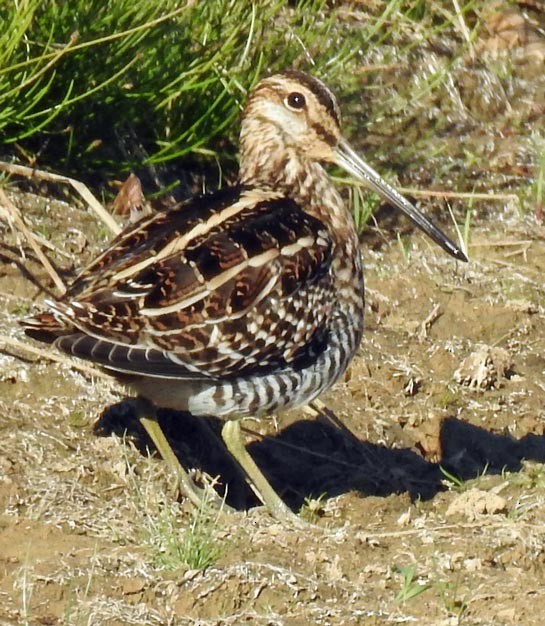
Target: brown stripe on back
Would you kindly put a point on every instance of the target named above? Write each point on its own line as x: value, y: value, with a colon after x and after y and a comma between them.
x: 149, y: 235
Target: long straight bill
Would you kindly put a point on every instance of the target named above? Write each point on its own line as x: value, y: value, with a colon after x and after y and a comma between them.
x: 354, y: 165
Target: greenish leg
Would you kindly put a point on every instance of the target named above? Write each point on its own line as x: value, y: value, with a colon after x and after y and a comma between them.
x: 232, y: 437
x: 147, y: 416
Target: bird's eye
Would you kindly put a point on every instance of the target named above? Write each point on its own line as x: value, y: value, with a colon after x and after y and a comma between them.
x: 296, y: 101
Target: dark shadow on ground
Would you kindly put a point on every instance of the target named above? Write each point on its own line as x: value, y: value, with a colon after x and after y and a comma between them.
x: 320, y: 456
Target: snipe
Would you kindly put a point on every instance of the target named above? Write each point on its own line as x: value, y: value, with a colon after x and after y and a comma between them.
x: 240, y: 302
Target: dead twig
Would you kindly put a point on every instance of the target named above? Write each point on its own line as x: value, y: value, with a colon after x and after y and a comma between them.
x: 460, y: 195
x: 12, y: 215
x: 81, y: 188
x: 425, y: 326
x: 430, y: 193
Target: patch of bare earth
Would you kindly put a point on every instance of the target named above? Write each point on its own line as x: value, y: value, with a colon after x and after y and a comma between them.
x: 426, y: 483
x: 450, y: 374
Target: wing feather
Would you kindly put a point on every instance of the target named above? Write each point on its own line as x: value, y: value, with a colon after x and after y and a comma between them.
x: 226, y: 284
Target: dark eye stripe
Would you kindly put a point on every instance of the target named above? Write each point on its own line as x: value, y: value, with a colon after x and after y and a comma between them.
x: 327, y: 137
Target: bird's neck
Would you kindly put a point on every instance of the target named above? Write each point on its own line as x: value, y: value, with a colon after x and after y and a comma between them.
x: 266, y: 162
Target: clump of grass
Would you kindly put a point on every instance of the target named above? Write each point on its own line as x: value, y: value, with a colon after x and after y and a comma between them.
x: 363, y: 204
x: 201, y: 546
x: 100, y: 88
x: 94, y: 84
x: 173, y: 540
x: 532, y: 476
x: 454, y: 602
x: 174, y: 545
x: 313, y: 508
x: 410, y: 587
x: 458, y: 483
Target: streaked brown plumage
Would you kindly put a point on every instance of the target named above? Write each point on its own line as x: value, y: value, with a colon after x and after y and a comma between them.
x: 244, y: 301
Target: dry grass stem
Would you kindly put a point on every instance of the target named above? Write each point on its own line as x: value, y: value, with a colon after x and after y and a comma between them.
x: 463, y: 27
x: 459, y: 195
x: 427, y: 323
x: 78, y: 186
x: 13, y: 216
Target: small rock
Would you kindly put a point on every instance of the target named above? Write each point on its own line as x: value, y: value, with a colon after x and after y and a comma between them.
x: 473, y: 564
x: 486, y: 368
x: 476, y: 502
x: 507, y: 614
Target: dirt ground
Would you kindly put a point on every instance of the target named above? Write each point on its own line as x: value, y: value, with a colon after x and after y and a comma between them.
x: 90, y: 531
x: 424, y: 483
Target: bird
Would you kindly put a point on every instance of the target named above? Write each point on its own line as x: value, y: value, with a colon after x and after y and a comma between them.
x: 243, y: 301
